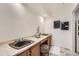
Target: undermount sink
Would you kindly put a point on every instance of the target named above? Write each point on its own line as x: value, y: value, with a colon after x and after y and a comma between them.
x: 20, y: 44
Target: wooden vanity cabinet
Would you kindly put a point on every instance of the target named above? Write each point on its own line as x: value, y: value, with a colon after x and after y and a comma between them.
x: 35, y: 50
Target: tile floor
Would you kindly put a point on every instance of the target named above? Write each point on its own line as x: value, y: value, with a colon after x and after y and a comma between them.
x: 59, y: 51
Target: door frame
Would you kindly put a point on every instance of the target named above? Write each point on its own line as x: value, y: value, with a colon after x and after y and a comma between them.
x: 74, y: 30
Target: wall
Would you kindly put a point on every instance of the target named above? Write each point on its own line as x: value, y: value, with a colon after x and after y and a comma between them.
x: 16, y: 21
x: 63, y: 13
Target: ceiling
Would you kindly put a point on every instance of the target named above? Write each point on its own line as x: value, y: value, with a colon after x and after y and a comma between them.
x: 47, y: 9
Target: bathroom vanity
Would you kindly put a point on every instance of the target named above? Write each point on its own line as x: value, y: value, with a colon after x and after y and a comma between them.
x: 34, y: 49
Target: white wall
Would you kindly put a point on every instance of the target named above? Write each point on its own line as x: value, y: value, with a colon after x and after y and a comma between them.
x: 16, y: 21
x: 63, y: 13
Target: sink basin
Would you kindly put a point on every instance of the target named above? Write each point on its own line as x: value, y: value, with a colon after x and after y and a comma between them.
x: 20, y: 44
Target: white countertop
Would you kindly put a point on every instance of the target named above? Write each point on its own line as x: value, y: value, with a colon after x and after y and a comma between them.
x: 6, y: 50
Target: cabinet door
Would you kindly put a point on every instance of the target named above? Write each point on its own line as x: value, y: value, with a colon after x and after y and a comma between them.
x: 25, y: 53
x: 35, y: 50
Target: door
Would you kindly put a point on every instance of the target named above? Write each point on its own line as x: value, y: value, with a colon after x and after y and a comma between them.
x: 77, y: 31
x: 35, y: 50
